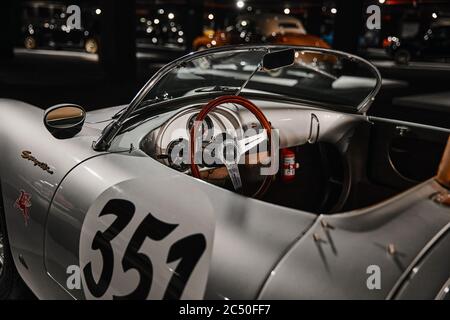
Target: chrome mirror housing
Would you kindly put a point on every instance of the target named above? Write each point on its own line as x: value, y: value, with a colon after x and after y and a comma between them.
x: 64, y: 120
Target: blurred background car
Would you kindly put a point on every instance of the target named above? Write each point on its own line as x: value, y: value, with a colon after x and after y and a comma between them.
x: 262, y: 28
x: 121, y: 44
x: 44, y: 25
x: 434, y: 44
x: 162, y: 29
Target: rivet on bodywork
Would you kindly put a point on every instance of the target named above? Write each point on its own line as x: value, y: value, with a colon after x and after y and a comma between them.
x: 316, y: 237
x: 326, y: 225
x: 391, y: 249
x: 442, y: 198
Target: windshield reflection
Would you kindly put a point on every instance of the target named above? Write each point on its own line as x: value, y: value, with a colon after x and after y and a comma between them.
x: 322, y: 77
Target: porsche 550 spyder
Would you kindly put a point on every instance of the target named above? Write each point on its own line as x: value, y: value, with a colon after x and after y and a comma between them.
x: 248, y: 172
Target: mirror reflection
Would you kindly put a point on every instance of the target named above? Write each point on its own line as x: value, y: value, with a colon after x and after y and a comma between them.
x: 65, y: 117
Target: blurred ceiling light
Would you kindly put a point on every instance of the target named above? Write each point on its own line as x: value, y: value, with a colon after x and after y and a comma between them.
x: 142, y: 20
x: 180, y: 33
x: 98, y: 11
x: 243, y: 23
x: 161, y: 11
x: 210, y: 16
x: 287, y: 10
x: 171, y: 16
x: 249, y: 8
x: 333, y: 10
x: 213, y: 42
x: 240, y: 4
x: 154, y: 40
x: 180, y: 40
x: 156, y: 21
x: 434, y: 15
x: 381, y: 1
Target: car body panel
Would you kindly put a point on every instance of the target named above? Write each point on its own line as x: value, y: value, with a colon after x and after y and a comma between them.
x: 417, y: 285
x: 244, y: 241
x: 332, y: 262
x: 242, y: 238
x: 22, y: 129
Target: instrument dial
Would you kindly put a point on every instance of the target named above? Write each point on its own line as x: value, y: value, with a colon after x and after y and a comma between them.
x: 207, y: 127
x: 177, y: 150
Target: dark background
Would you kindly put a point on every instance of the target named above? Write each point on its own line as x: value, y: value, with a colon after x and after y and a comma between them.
x: 127, y: 58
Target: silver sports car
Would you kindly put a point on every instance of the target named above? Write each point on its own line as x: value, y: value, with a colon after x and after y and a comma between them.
x: 248, y: 172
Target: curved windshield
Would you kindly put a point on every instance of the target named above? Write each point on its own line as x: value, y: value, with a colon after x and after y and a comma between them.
x: 225, y: 71
x: 319, y: 76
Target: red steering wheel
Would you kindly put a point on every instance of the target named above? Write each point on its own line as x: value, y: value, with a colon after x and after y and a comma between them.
x: 241, y: 146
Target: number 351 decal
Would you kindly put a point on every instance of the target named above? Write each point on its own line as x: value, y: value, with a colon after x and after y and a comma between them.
x: 187, y: 250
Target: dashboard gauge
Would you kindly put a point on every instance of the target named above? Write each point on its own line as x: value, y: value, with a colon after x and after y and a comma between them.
x: 207, y: 127
x: 177, y: 151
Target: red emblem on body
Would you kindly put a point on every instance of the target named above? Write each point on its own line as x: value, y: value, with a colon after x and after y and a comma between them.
x: 23, y: 203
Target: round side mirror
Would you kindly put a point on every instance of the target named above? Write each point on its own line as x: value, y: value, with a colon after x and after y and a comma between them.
x: 64, y: 120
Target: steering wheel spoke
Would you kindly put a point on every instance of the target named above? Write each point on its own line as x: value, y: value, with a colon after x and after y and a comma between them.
x: 235, y: 176
x: 248, y: 143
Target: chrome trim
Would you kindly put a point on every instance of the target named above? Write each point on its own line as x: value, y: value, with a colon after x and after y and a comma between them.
x: 110, y: 132
x: 61, y: 286
x: 407, y: 123
x: 2, y: 253
x: 258, y: 68
x: 444, y: 292
x: 313, y: 139
x: 404, y: 277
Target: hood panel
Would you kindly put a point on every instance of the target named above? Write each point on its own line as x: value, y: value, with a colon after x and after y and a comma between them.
x: 102, y: 115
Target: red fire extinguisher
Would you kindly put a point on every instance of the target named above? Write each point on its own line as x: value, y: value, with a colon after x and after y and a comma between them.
x: 289, y: 165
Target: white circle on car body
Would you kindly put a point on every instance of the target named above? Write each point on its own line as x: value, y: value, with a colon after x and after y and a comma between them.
x: 171, y: 246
